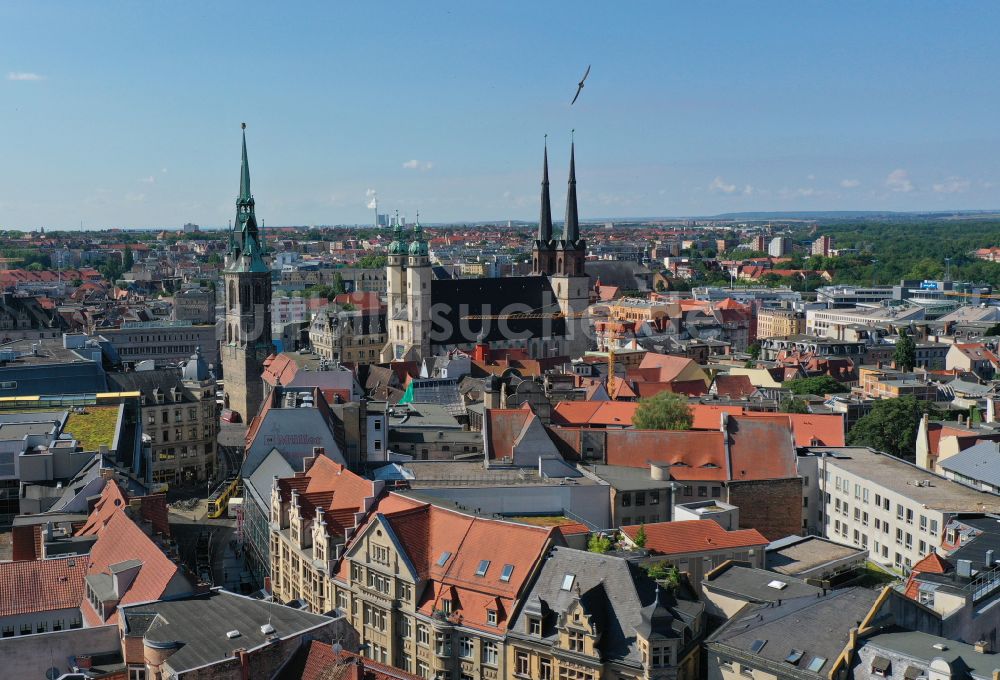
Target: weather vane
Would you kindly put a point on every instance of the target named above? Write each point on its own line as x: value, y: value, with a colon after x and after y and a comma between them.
x: 243, y: 126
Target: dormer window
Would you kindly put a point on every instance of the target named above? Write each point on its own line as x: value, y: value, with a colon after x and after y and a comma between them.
x: 534, y: 626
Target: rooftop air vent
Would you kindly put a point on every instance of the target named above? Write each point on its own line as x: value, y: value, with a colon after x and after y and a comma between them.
x: 233, y: 634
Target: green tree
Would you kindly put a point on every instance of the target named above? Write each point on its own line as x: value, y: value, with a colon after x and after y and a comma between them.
x: 660, y: 287
x: 338, y: 283
x: 599, y: 543
x: 35, y: 267
x: 794, y: 405
x: 372, y: 262
x: 640, y: 536
x: 905, y: 356
x: 214, y: 259
x: 993, y: 330
x: 754, y: 350
x: 127, y: 260
x: 821, y: 384
x: 663, y: 411
x: 665, y: 573
x: 891, y: 426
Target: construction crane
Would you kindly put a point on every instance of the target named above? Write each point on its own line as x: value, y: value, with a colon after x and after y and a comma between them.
x: 955, y: 293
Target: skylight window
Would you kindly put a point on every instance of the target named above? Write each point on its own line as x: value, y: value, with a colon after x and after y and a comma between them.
x: 757, y: 646
x: 505, y: 575
x: 795, y: 656
x: 444, y: 558
x: 817, y: 663
x: 484, y: 565
x: 567, y: 583
x: 777, y: 585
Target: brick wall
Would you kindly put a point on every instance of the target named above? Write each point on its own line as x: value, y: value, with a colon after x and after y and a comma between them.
x: 771, y: 506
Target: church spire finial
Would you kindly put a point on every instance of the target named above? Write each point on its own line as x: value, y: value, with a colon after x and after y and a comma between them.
x: 571, y: 227
x: 244, y: 168
x: 545, y: 216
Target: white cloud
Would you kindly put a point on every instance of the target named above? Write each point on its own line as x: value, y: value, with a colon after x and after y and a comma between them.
x: 372, y: 199
x: 899, y: 180
x: 952, y: 185
x: 23, y: 76
x: 418, y: 165
x: 164, y: 171
x: 748, y: 190
x: 850, y: 183
x: 147, y: 180
x: 135, y: 198
x: 718, y: 184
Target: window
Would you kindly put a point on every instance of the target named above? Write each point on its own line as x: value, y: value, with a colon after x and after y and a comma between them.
x: 626, y: 500
x: 716, y: 492
x: 483, y: 567
x: 534, y: 626
x: 567, y: 582
x: 574, y: 639
x: 521, y: 665
x: 909, y: 516
x: 444, y: 558
x: 465, y: 647
x: 405, y: 628
x: 505, y: 575
x: 654, y: 497
x: 423, y: 636
x: 923, y: 522
x: 423, y: 670
x: 544, y: 669
x: 934, y: 527
x: 442, y: 644
x: 380, y: 554
x: 491, y: 617
x: 640, y: 498
x: 490, y: 654
x: 702, y: 491
x: 136, y: 674
x: 446, y: 606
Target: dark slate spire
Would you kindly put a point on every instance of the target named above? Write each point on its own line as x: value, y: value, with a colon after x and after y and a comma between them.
x: 545, y: 218
x: 245, y: 171
x: 249, y: 248
x: 571, y: 228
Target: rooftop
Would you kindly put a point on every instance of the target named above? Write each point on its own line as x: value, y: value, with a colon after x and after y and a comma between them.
x: 906, y: 479
x: 694, y: 536
x: 757, y: 585
x: 93, y: 426
x: 199, y: 626
x: 41, y: 585
x: 798, y: 554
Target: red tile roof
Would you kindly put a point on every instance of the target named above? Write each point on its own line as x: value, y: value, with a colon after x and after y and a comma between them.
x: 694, y: 536
x: 931, y: 564
x: 41, y: 585
x: 426, y: 532
x: 734, y: 386
x: 691, y: 455
x: 322, y: 663
x: 119, y: 540
x: 332, y: 488
x: 503, y: 427
x: 594, y: 413
x: 111, y: 503
x: 761, y: 447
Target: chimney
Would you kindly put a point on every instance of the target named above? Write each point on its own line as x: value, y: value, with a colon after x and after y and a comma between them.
x: 244, y: 663
x: 983, y: 647
x: 990, y: 559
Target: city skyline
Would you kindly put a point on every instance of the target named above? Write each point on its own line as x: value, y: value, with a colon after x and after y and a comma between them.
x: 128, y: 117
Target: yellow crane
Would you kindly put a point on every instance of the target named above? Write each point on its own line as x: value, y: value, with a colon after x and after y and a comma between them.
x: 955, y: 293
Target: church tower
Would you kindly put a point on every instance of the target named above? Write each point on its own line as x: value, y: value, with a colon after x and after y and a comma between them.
x: 418, y: 293
x: 247, y: 281
x: 395, y: 280
x: 570, y: 281
x: 543, y: 251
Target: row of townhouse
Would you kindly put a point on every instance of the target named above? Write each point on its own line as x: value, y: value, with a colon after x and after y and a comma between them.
x: 444, y: 594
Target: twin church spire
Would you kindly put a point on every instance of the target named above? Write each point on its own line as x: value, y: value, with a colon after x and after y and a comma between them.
x: 564, y: 256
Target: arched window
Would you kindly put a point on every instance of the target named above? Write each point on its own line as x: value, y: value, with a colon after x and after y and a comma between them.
x: 232, y: 295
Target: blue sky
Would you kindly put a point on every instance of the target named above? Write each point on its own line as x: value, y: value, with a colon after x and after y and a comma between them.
x: 127, y: 113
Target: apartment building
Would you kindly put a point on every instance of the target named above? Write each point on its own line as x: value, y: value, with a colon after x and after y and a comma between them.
x: 589, y: 616
x: 433, y: 591
x: 773, y: 323
x: 179, y: 415
x: 349, y: 336
x: 163, y: 341
x: 892, y: 508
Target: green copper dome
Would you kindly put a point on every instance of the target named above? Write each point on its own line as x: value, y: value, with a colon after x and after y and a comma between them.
x: 397, y: 247
x: 418, y: 246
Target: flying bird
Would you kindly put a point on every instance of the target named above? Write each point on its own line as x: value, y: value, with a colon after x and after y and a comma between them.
x: 579, y: 86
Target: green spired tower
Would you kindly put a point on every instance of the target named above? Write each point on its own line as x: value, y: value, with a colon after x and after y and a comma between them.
x: 247, y: 280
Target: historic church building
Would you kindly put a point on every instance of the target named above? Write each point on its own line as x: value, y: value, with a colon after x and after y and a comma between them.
x: 247, y: 281
x: 542, y: 313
